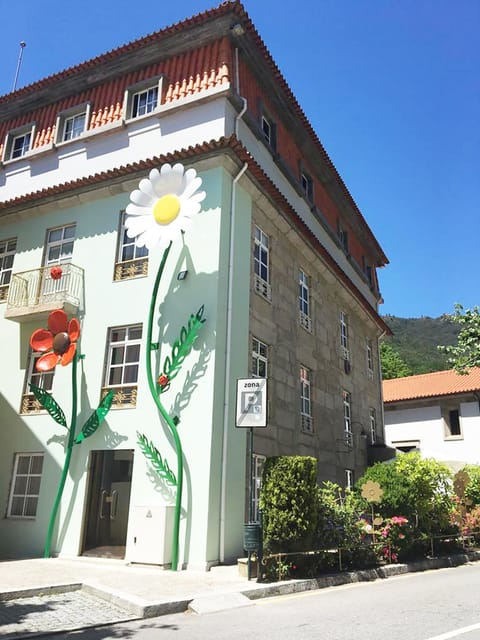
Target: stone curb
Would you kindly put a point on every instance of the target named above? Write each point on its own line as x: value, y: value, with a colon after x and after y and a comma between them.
x: 141, y: 609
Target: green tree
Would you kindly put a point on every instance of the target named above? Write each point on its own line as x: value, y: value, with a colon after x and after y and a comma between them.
x: 472, y: 489
x: 392, y: 364
x: 417, y: 488
x: 466, y: 353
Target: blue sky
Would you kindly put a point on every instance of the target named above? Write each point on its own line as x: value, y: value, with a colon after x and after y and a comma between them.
x: 392, y: 88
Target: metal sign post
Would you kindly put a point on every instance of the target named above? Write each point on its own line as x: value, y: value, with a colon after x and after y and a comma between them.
x: 251, y: 413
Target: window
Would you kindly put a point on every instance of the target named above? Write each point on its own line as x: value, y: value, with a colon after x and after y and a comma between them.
x: 122, y: 364
x: 72, y: 122
x: 344, y: 350
x: 7, y: 253
x: 259, y: 359
x: 307, y: 185
x: 407, y: 446
x: 348, y: 478
x: 368, y: 271
x: 258, y: 464
x: 369, y: 360
x: 132, y: 261
x: 74, y: 126
x: 304, y: 300
x: 373, y: 425
x: 451, y: 418
x: 269, y: 131
x: 25, y: 488
x: 59, y: 247
x: 347, y: 417
x: 305, y: 400
x: 261, y: 260
x: 144, y: 102
x: 342, y: 236
x: 18, y: 142
x: 44, y: 380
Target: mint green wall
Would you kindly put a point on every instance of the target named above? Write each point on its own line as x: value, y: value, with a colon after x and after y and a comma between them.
x: 196, y: 395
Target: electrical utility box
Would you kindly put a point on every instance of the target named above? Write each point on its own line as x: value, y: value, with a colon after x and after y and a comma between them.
x: 150, y: 534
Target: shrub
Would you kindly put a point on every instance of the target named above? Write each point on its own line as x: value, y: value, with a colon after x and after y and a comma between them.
x: 289, y: 502
x: 417, y: 488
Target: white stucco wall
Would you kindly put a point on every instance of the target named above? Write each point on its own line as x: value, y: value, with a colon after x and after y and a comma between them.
x: 426, y: 425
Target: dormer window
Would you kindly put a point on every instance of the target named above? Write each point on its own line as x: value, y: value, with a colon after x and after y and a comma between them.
x: 143, y: 98
x: 307, y: 185
x: 72, y: 123
x: 269, y: 131
x: 19, y: 142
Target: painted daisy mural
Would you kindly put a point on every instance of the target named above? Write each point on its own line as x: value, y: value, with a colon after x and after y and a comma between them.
x: 58, y: 345
x: 159, y: 213
x: 162, y: 207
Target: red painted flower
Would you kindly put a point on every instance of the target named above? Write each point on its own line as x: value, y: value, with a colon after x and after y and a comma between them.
x: 163, y: 380
x: 58, y: 341
x: 56, y: 273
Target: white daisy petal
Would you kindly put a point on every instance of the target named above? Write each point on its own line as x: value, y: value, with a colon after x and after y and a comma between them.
x: 153, y: 220
x: 141, y: 198
x: 135, y: 210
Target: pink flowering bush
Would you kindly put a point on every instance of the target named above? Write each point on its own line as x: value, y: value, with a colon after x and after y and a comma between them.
x: 392, y: 537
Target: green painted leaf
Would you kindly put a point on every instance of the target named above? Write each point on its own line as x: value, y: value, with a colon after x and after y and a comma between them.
x: 158, y: 463
x: 96, y: 419
x: 49, y: 403
x: 181, y: 347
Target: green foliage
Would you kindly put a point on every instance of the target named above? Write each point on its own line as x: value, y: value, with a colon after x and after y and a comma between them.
x: 419, y: 489
x: 472, y: 489
x: 416, y: 340
x: 466, y: 353
x: 339, y: 513
x: 289, y: 502
x: 96, y: 419
x: 181, y: 347
x: 160, y: 464
x: 49, y: 403
x: 392, y: 364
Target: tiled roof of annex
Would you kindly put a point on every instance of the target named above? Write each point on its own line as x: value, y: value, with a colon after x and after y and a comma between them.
x: 430, y: 385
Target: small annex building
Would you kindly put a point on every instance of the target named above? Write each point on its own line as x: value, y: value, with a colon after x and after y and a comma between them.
x: 280, y: 259
x: 437, y: 414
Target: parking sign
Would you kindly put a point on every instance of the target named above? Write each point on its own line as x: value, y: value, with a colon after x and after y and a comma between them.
x: 251, y: 402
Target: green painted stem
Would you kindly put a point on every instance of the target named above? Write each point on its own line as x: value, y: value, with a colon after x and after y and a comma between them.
x: 171, y: 424
x: 66, y: 464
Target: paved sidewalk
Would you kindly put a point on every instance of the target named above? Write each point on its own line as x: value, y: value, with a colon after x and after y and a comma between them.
x: 39, y: 597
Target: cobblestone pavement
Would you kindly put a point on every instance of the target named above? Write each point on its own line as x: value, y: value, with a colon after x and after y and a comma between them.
x: 53, y: 612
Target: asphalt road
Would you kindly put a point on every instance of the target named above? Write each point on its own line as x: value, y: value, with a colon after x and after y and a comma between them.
x: 435, y: 605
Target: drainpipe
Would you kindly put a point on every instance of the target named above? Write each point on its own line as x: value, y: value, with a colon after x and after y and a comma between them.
x: 382, y: 412
x: 228, y: 337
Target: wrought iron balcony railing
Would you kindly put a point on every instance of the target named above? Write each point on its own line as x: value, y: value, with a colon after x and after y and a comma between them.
x: 39, y: 291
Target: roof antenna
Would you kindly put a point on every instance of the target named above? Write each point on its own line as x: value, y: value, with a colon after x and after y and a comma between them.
x: 20, y: 55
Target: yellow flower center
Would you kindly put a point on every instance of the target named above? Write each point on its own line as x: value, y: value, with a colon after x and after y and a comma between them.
x: 166, y: 209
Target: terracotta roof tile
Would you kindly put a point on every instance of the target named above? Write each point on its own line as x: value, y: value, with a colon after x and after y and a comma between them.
x: 429, y: 385
x: 191, y: 154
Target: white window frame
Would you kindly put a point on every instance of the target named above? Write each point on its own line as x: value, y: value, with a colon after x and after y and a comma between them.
x: 349, y: 479
x: 124, y: 344
x: 344, y: 337
x: 261, y: 263
x: 372, y: 415
x: 369, y: 353
x: 258, y: 465
x: 67, y: 238
x: 64, y: 117
x: 304, y: 318
x: 306, y: 399
x: 347, y: 416
x: 25, y: 131
x: 41, y: 379
x: 127, y: 267
x: 142, y: 88
x: 29, y: 493
x: 259, y: 358
x: 8, y: 249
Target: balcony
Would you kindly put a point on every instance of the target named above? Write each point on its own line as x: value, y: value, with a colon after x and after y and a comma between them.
x: 33, y: 294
